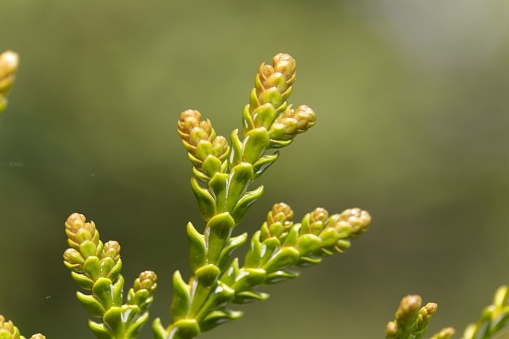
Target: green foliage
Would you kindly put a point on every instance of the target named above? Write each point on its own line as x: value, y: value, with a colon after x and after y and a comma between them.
x: 222, y: 175
x: 411, y: 320
x: 96, y: 267
x: 494, y: 318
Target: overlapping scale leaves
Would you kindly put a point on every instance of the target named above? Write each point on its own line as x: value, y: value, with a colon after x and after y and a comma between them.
x: 9, y: 331
x: 412, y: 320
x: 223, y: 172
x: 96, y: 267
x: 281, y: 246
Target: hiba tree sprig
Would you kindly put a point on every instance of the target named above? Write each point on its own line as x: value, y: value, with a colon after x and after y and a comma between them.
x: 222, y: 175
x: 411, y: 320
x: 95, y: 267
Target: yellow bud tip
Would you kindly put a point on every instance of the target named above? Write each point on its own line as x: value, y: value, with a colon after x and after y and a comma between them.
x: 429, y: 310
x: 112, y: 249
x: 281, y: 212
x: 391, y: 329
x: 284, y: 63
x: 358, y: 219
x: 146, y: 280
x: 411, y: 303
x: 9, y: 62
x: 319, y: 215
x: 148, y: 275
x: 448, y: 332
x: 306, y: 118
x: 189, y: 119
x: 408, y: 309
x: 76, y: 218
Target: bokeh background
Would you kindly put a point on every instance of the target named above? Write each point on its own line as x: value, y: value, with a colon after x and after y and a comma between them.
x: 412, y: 106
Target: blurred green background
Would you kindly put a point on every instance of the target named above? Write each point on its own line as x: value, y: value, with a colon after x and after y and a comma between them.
x: 412, y: 107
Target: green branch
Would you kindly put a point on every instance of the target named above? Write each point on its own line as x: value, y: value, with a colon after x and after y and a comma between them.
x: 222, y: 174
x: 411, y: 320
x: 96, y: 267
x: 494, y: 318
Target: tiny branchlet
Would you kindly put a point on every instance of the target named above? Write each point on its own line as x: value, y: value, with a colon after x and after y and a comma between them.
x: 281, y: 245
x: 95, y: 267
x: 411, y: 320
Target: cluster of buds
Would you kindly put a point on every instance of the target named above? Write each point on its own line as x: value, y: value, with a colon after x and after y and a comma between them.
x: 280, y: 75
x: 143, y: 290
x: 79, y: 231
x: 315, y: 222
x: 222, y: 174
x: 355, y: 220
x: 9, y: 331
x: 279, y: 221
x: 280, y: 243
x: 323, y: 235
x: 268, y: 108
x: 8, y: 66
x: 290, y: 123
x: 412, y: 320
x: 273, y: 85
x: 206, y: 151
x: 87, y: 258
x: 96, y: 266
